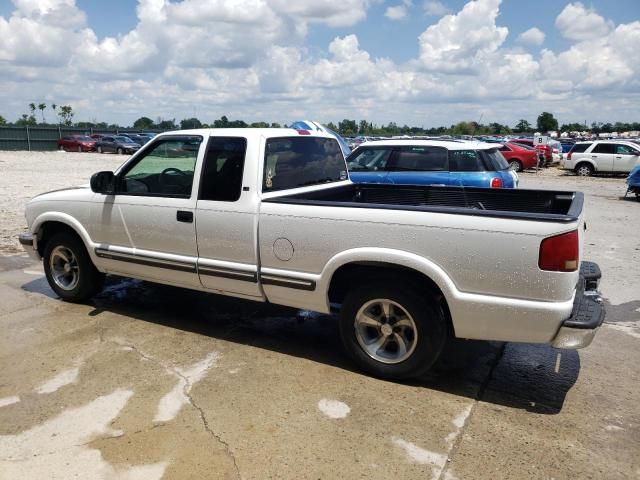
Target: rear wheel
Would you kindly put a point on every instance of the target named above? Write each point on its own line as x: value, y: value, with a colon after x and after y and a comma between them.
x: 79, y: 149
x: 99, y: 149
x: 584, y: 170
x: 515, y: 165
x: 120, y: 151
x: 392, y: 331
x: 61, y: 148
x: 69, y: 269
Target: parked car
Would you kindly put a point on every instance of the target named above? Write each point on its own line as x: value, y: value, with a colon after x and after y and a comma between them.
x: 545, y: 152
x: 633, y: 182
x: 431, y: 162
x: 567, y: 145
x: 311, y: 126
x: 270, y: 215
x: 77, y: 143
x: 602, y: 156
x: 116, y: 144
x: 520, y: 157
x: 137, y: 138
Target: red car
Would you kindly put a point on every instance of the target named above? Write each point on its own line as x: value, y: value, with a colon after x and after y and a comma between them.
x: 519, y: 157
x: 77, y: 143
x: 545, y: 150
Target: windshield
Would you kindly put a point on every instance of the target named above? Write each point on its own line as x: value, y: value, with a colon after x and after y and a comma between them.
x: 292, y: 162
x: 124, y: 139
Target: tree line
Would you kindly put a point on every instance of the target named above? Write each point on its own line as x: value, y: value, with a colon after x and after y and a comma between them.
x: 545, y: 122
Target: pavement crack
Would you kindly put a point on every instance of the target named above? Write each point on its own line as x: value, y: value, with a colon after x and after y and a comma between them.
x: 211, y: 432
x: 186, y: 390
x: 467, y: 421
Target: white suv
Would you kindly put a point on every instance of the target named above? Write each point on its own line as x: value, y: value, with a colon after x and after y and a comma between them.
x: 602, y: 156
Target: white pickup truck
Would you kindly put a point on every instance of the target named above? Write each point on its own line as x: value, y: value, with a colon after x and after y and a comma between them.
x: 271, y: 215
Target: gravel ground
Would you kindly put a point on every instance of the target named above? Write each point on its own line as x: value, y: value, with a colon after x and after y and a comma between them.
x: 26, y: 174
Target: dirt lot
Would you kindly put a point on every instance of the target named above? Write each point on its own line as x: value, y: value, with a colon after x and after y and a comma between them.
x: 156, y: 382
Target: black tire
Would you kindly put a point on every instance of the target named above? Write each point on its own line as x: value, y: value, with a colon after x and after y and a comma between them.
x: 61, y: 148
x: 515, y: 165
x: 428, y: 318
x: 584, y: 170
x: 79, y: 149
x: 89, y: 280
x: 99, y: 149
x: 120, y: 151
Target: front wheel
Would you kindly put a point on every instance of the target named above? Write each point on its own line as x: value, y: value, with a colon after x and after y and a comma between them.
x: 69, y: 269
x: 99, y: 149
x: 120, y: 151
x: 392, y: 331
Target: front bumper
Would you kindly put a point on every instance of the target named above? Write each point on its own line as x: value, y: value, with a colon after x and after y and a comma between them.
x: 28, y: 242
x: 588, y: 311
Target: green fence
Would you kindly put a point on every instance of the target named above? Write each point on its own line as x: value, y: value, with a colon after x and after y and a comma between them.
x: 46, y: 138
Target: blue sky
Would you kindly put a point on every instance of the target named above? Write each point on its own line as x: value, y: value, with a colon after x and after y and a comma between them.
x: 378, y: 35
x: 323, y: 59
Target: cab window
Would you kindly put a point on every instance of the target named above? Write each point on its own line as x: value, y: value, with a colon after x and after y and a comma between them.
x: 165, y: 169
x: 223, y: 168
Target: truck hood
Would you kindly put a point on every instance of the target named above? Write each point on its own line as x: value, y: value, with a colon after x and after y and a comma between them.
x: 60, y: 192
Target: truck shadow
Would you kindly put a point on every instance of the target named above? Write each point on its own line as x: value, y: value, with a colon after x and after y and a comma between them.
x: 520, y: 376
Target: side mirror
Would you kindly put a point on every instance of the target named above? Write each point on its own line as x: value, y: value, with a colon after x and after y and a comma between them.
x: 103, y: 182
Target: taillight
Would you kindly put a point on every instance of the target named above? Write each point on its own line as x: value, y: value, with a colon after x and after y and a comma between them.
x: 569, y: 155
x: 560, y: 253
x: 497, y: 182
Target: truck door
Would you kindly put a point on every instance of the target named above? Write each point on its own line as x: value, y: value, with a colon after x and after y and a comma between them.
x: 146, y: 229
x: 625, y: 158
x: 227, y: 219
x: 602, y: 156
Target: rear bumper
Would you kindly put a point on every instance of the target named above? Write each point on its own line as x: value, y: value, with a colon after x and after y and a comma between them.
x: 28, y: 242
x: 588, y: 312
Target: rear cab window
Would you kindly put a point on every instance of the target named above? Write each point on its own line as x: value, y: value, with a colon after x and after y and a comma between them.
x: 293, y: 162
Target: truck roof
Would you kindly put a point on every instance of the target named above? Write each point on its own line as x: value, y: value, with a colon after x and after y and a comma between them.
x: 249, y: 132
x: 448, y: 144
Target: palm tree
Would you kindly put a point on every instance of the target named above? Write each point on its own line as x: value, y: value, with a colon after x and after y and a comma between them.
x: 41, y: 107
x: 32, y: 107
x: 53, y: 107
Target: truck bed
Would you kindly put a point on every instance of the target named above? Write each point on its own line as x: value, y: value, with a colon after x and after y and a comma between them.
x: 538, y: 205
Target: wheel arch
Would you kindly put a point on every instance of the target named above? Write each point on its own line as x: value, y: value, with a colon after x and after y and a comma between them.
x: 588, y: 161
x: 48, y: 224
x: 381, y: 264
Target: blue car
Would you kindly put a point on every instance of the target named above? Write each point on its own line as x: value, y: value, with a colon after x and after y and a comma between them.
x: 633, y: 182
x: 431, y: 162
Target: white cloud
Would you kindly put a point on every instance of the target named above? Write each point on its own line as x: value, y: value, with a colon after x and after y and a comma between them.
x: 576, y: 22
x: 460, y: 42
x: 397, y: 12
x: 533, y: 36
x: 250, y: 59
x: 435, y: 8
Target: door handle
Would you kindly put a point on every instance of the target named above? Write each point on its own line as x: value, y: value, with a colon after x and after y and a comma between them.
x: 184, y: 216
